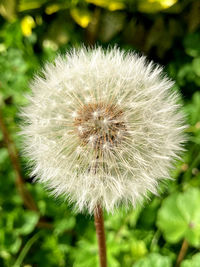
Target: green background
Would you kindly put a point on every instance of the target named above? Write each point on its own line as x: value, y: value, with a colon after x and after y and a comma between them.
x: 33, y: 31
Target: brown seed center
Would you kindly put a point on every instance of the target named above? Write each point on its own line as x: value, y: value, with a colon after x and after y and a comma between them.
x: 100, y: 125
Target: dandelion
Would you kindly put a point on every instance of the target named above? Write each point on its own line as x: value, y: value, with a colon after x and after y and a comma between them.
x: 102, y: 128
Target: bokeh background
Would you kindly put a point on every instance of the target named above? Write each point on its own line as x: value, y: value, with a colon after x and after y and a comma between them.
x: 35, y: 229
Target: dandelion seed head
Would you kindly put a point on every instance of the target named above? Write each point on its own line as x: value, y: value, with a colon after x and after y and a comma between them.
x: 102, y: 127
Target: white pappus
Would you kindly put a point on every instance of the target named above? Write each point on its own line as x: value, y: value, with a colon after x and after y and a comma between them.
x: 102, y: 127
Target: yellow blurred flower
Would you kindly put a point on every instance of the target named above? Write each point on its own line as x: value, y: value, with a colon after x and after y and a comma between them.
x: 112, y: 5
x: 27, y: 24
x: 168, y: 3
x: 115, y: 6
x: 151, y: 6
x: 81, y: 17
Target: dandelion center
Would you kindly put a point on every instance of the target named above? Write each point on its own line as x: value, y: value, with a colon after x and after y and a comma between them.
x: 100, y: 125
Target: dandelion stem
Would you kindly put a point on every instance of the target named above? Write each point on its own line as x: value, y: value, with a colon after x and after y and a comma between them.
x: 99, y: 223
x: 27, y: 198
x: 14, y: 157
x: 182, y: 252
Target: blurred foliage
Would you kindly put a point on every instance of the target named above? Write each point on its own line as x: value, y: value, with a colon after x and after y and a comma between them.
x: 179, y: 217
x: 154, y: 259
x: 33, y: 31
x: 194, y: 262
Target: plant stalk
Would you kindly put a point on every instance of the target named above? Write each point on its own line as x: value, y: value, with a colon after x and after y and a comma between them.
x: 14, y: 157
x: 99, y: 224
x: 182, y: 252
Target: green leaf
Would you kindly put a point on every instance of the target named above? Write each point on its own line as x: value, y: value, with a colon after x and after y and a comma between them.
x: 64, y: 224
x: 194, y: 262
x: 193, y: 109
x: 191, y: 43
x: 173, y: 226
x: 26, y: 222
x: 8, y: 9
x: 3, y: 155
x: 30, y: 4
x: 138, y: 249
x: 179, y: 217
x: 196, y: 65
x: 86, y: 254
x: 10, y: 242
x: 148, y: 215
x: 154, y: 260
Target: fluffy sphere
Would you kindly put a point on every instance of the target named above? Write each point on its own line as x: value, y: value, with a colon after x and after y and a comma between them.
x: 102, y: 127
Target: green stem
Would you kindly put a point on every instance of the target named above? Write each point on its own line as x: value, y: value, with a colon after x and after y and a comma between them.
x: 25, y: 250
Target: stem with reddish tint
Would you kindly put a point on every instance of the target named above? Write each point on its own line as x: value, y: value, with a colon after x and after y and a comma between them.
x: 20, y: 183
x: 182, y: 252
x: 99, y: 223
